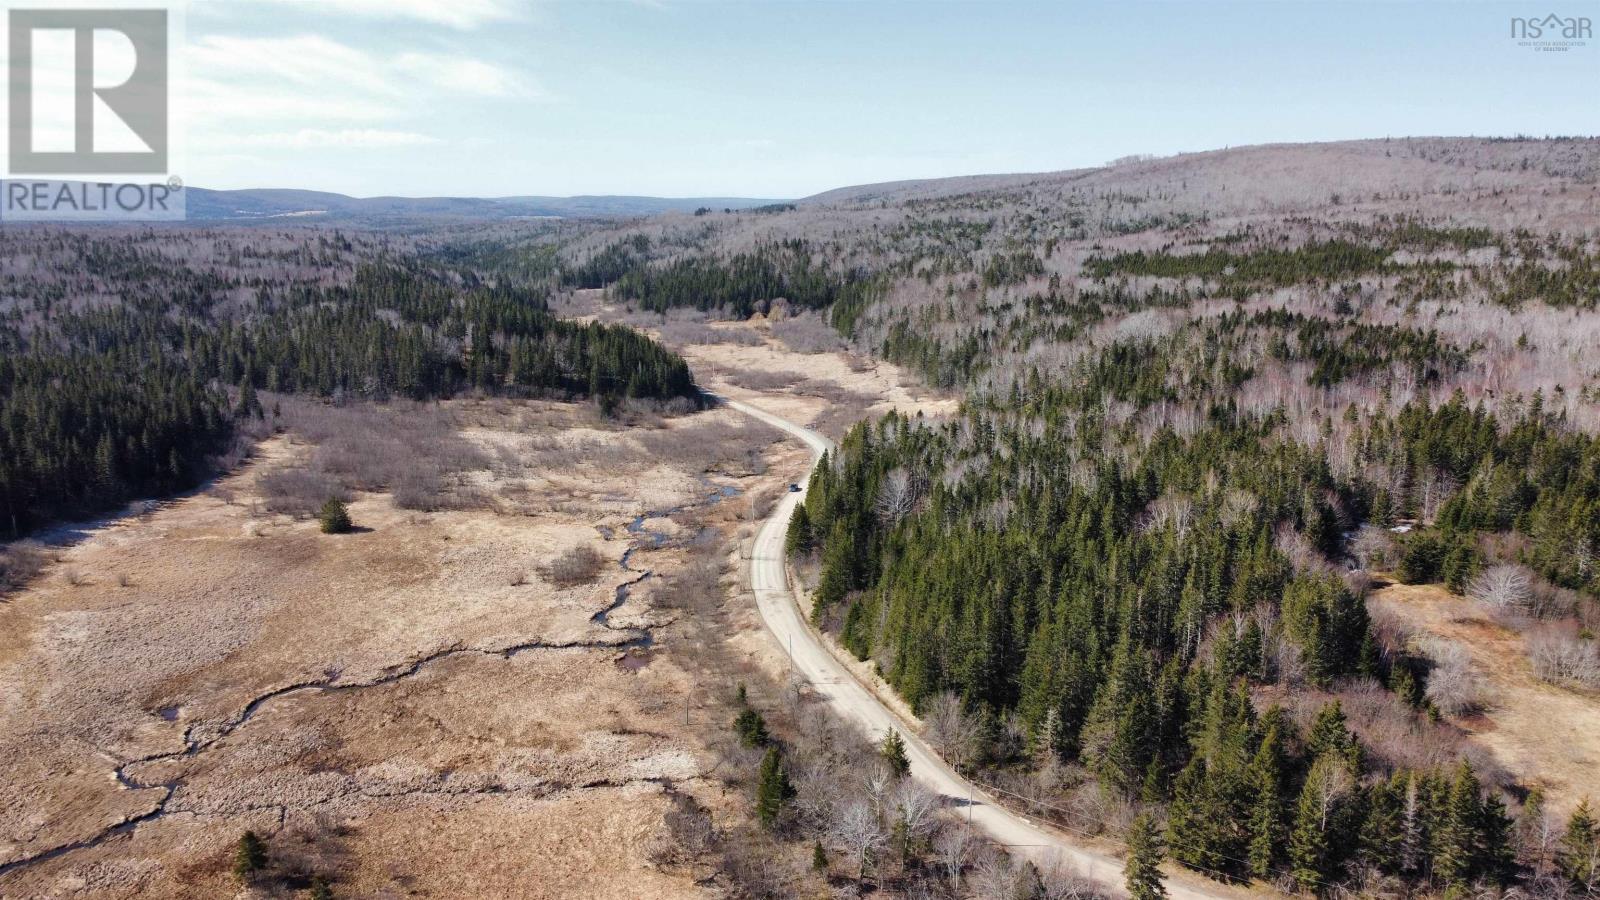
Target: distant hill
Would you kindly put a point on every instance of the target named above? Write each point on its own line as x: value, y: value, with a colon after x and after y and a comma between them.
x: 1266, y: 177
x: 279, y: 204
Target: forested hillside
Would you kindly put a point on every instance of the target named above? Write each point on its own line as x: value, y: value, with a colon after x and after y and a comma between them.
x: 125, y: 358
x: 1210, y: 402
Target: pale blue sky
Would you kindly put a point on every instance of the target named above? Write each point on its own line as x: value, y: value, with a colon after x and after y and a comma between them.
x: 784, y: 99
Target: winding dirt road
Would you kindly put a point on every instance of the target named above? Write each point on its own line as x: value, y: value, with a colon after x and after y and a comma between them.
x: 854, y: 702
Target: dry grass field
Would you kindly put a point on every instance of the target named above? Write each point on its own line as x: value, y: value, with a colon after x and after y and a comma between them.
x: 431, y: 705
x: 413, y: 709
x: 795, y: 365
x: 1546, y: 735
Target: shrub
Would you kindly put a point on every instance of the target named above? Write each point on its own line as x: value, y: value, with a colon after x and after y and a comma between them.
x: 1563, y: 657
x: 19, y: 562
x: 579, y: 565
x: 297, y: 492
x: 335, y: 518
x: 687, y: 833
x: 807, y: 333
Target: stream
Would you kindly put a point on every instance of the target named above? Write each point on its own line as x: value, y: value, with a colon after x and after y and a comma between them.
x: 625, y: 639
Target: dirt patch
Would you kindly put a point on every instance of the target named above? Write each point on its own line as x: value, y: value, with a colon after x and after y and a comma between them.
x: 828, y: 390
x: 1547, y: 736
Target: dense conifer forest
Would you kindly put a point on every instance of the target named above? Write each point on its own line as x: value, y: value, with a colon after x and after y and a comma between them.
x: 125, y: 365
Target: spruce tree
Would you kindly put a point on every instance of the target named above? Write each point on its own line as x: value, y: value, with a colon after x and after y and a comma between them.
x: 772, y: 788
x: 1455, y: 851
x: 1580, y: 848
x: 1319, y: 837
x: 1142, y: 872
x: 1330, y: 733
x: 1496, y: 841
x: 1531, y: 830
x: 1266, y: 779
x: 1383, y: 828
x: 893, y: 752
x: 249, y: 856
x: 334, y: 517
x: 751, y: 728
x: 798, y: 538
x: 1192, y: 826
x: 248, y: 406
x: 837, y: 577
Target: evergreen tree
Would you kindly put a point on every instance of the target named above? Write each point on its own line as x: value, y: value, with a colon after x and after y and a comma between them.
x: 751, y: 728
x: 248, y: 406
x: 1580, y: 849
x: 1142, y: 872
x: 1266, y: 782
x: 773, y: 790
x: 1319, y: 839
x: 819, y: 858
x: 1497, y: 845
x: 249, y: 856
x: 1456, y: 852
x: 334, y: 517
x: 797, y: 539
x: 1531, y: 827
x: 1330, y: 733
x: 893, y: 752
x: 1383, y: 828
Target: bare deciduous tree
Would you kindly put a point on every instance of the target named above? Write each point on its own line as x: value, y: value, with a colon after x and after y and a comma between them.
x: 954, y: 733
x: 1559, y: 656
x: 897, y: 496
x: 1060, y: 880
x: 996, y: 877
x: 859, y: 834
x: 1330, y: 783
x: 1173, y: 511
x: 1372, y: 548
x: 1506, y: 587
x: 1437, y: 488
x: 953, y: 849
x: 916, y: 809
x: 1452, y: 686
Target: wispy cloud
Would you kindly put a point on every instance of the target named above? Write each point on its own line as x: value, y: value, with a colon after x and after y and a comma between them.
x: 466, y: 76
x: 310, y: 138
x: 313, y: 79
x: 464, y: 15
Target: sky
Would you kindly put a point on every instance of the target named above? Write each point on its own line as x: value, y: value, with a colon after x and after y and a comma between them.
x: 782, y: 99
